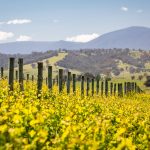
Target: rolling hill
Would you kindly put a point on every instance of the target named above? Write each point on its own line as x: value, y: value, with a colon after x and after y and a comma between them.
x: 132, y: 38
x: 114, y: 62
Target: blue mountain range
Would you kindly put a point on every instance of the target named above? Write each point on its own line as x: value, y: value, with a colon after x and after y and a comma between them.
x: 132, y: 38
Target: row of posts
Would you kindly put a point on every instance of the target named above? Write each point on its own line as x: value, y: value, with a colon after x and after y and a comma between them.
x: 106, y: 88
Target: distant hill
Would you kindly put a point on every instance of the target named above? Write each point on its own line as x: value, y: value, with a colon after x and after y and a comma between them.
x: 132, y: 38
x: 29, y: 47
x: 116, y: 62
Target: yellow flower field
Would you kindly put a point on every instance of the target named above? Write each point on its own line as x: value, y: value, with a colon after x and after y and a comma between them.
x: 61, y: 121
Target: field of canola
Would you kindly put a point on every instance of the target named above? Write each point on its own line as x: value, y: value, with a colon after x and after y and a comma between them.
x: 61, y: 121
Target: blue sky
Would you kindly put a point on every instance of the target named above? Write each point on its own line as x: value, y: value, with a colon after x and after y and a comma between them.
x: 72, y: 20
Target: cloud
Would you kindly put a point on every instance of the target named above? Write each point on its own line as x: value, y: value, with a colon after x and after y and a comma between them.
x: 82, y: 38
x: 139, y: 11
x: 5, y: 35
x: 24, y: 38
x: 18, y: 21
x: 124, y: 8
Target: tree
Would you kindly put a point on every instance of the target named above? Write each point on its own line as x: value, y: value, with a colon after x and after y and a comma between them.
x: 132, y: 77
x: 89, y: 75
x: 33, y: 66
x: 132, y: 70
x: 116, y: 72
x: 140, y: 77
x: 98, y: 77
x: 147, y: 83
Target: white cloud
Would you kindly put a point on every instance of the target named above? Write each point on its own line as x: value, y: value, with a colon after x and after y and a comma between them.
x: 82, y: 38
x: 124, y: 8
x: 139, y: 11
x: 5, y: 35
x: 24, y: 38
x: 18, y: 21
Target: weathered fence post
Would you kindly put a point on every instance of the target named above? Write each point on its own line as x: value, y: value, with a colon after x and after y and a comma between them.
x: 133, y: 87
x: 92, y: 86
x: 87, y: 86
x: 106, y: 87
x: 115, y: 88
x: 111, y: 88
x: 57, y: 81
x: 2, y: 72
x: 82, y: 86
x: 16, y: 75
x: 97, y: 86
x: 40, y: 78
x: 120, y: 90
x: 125, y: 88
x: 128, y: 88
x: 60, y: 80
x: 11, y: 73
x: 50, y: 84
x: 27, y: 77
x: 74, y: 83
x: 102, y: 88
x: 21, y: 76
x: 32, y: 78
x: 68, y: 82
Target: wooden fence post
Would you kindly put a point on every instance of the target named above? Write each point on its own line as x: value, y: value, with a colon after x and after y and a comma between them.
x: 27, y: 77
x: 102, y: 88
x: 74, y: 83
x: 92, y: 86
x: 120, y: 90
x: 11, y: 73
x: 16, y: 75
x: 135, y: 87
x: 115, y: 88
x: 32, y: 78
x: 21, y: 76
x: 128, y: 88
x: 106, y: 87
x: 57, y: 80
x: 87, y: 86
x: 40, y: 78
x: 97, y: 86
x: 68, y: 82
x: 82, y: 86
x: 50, y: 82
x: 125, y: 88
x: 2, y: 72
x: 111, y: 88
x: 60, y: 80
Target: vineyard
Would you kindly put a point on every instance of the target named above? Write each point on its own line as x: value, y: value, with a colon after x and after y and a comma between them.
x: 69, y: 114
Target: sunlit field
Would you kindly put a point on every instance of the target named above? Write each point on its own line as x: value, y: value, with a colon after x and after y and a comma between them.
x: 62, y: 121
